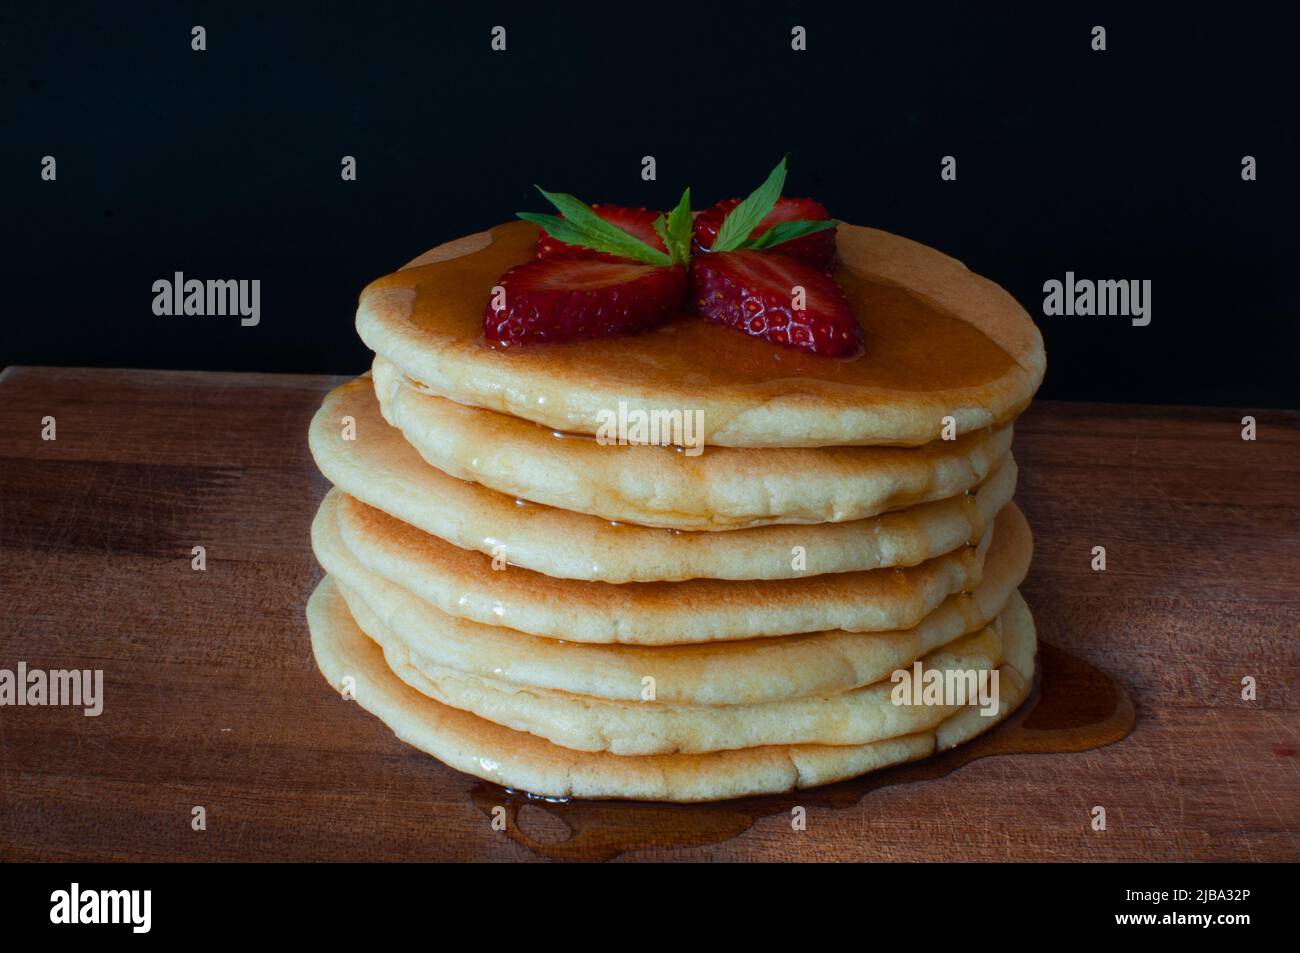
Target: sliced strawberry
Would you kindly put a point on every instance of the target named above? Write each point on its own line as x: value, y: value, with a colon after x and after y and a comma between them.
x: 639, y: 222
x: 567, y: 299
x: 754, y: 292
x: 817, y: 249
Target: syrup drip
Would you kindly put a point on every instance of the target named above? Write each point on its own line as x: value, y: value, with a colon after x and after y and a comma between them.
x: 1073, y: 706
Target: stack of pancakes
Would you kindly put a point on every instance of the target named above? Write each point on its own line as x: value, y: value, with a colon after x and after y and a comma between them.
x: 569, y: 617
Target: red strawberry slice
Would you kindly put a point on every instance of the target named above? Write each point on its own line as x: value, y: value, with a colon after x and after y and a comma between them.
x: 567, y: 299
x: 639, y: 222
x: 817, y: 249
x: 754, y: 292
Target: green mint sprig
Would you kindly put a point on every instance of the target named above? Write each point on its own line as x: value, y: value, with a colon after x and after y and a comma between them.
x: 749, y: 214
x: 582, y: 226
x: 788, y: 232
x: 676, y: 230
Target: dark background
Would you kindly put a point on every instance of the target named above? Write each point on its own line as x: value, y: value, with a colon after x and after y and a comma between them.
x: 225, y: 163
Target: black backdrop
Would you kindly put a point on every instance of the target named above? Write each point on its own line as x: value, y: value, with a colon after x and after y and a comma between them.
x: 225, y: 163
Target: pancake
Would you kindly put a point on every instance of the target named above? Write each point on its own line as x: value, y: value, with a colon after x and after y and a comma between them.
x: 381, y: 469
x: 524, y: 762
x: 938, y: 341
x: 720, y: 488
x: 715, y: 673
x: 1017, y: 676
x: 859, y: 716
x: 466, y: 585
x: 706, y: 610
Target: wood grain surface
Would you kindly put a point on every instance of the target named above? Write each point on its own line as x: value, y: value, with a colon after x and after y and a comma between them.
x: 212, y: 697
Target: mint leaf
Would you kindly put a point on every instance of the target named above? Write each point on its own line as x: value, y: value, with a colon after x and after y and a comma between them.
x: 677, y: 230
x: 560, y: 229
x: 582, y: 226
x: 789, y: 231
x: 745, y: 217
x: 660, y: 225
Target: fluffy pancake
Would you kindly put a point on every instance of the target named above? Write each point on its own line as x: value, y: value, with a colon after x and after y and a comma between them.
x: 525, y: 762
x: 466, y: 585
x: 939, y: 341
x: 721, y: 488
x: 707, y: 610
x: 859, y: 716
x: 1019, y: 659
x: 717, y: 673
x: 381, y: 469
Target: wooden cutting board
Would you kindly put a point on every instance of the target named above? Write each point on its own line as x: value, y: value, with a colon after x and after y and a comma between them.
x: 212, y: 700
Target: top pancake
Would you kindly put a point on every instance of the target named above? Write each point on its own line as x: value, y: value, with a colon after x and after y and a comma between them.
x: 939, y: 341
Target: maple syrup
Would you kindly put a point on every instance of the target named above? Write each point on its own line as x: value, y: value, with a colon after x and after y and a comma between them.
x: 1072, y: 707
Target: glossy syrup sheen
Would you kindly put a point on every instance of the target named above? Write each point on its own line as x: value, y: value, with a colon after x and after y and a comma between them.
x: 910, y: 345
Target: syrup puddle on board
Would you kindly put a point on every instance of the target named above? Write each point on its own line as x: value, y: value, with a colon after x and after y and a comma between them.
x: 1073, y: 707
